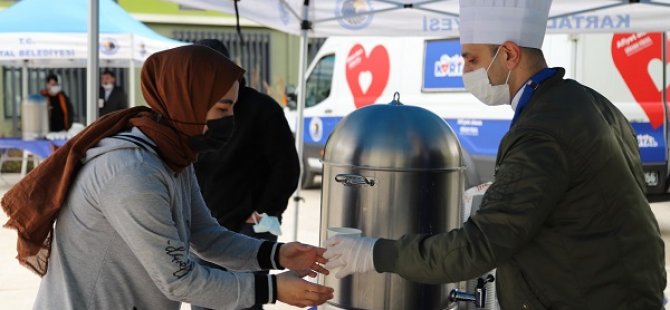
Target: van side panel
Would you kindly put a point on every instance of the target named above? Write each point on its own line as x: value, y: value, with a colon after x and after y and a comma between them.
x: 627, y: 68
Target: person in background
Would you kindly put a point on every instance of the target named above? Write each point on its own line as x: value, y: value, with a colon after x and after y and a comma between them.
x: 59, y: 105
x: 130, y: 216
x: 566, y: 221
x: 247, y: 183
x: 112, y: 97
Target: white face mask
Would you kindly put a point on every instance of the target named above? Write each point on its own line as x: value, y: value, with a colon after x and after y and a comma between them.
x: 107, y: 86
x: 54, y: 90
x: 477, y: 82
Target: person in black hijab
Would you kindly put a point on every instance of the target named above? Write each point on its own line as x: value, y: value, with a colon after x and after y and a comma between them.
x: 257, y: 170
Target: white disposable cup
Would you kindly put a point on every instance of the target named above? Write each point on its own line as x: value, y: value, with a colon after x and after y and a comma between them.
x: 343, y: 231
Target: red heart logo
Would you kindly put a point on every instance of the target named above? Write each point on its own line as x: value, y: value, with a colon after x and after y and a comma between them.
x: 637, y: 56
x: 367, y: 75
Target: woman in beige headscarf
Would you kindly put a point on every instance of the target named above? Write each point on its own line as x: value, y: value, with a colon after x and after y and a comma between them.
x: 129, y: 210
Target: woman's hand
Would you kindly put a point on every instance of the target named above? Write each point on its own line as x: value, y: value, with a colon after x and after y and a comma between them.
x: 293, y: 290
x: 303, y: 258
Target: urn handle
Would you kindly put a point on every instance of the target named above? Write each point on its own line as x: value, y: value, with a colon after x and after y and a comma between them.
x: 353, y: 180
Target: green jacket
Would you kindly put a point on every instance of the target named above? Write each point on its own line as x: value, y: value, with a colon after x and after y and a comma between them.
x: 566, y: 221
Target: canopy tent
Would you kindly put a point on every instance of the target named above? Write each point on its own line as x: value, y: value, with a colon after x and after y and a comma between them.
x: 50, y: 33
x: 434, y: 17
x: 425, y: 18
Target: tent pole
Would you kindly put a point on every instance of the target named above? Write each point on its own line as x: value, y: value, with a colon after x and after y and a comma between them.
x: 131, y: 84
x: 24, y: 96
x: 92, y: 74
x: 301, y: 107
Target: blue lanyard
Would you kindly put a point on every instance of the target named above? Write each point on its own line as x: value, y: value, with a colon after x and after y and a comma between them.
x: 529, y: 88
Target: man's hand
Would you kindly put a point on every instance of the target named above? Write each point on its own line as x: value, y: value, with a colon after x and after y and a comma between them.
x: 303, y: 258
x: 295, y: 291
x: 350, y: 254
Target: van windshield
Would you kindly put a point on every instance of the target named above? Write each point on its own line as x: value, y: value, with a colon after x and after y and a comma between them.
x: 320, y: 81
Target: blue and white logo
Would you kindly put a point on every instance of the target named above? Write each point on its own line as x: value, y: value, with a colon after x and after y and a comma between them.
x: 108, y: 46
x: 354, y: 14
x: 316, y: 129
x: 449, y: 66
x: 443, y: 65
x: 645, y: 141
x: 650, y: 142
x: 283, y: 12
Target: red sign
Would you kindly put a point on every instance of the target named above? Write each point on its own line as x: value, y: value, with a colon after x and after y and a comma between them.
x: 637, y: 56
x: 367, y: 75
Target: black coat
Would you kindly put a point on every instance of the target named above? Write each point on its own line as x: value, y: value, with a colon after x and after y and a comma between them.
x: 117, y: 100
x: 60, y: 111
x: 257, y: 170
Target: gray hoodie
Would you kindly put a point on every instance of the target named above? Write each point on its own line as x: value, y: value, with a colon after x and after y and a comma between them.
x: 124, y: 236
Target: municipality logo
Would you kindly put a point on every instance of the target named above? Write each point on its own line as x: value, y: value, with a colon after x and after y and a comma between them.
x: 354, y: 14
x: 316, y: 129
x: 448, y: 66
x: 108, y: 46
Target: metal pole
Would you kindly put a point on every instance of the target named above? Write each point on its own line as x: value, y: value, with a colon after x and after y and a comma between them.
x: 92, y: 74
x: 664, y: 94
x: 24, y: 96
x: 131, y: 84
x: 301, y: 107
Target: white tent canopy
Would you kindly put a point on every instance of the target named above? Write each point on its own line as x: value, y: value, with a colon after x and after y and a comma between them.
x: 48, y: 33
x: 57, y: 34
x: 434, y: 17
x: 425, y: 18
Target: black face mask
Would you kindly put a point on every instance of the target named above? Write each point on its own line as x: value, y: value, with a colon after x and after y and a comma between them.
x: 219, y: 132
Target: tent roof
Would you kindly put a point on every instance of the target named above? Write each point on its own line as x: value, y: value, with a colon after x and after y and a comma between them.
x: 436, y: 17
x: 54, y: 33
x: 70, y: 16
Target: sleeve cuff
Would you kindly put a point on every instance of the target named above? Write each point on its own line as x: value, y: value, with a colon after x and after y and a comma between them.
x: 268, y: 255
x: 266, y: 289
x: 385, y: 255
x: 275, y: 256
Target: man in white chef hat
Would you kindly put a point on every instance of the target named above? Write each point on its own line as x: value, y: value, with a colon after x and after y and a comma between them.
x: 566, y: 222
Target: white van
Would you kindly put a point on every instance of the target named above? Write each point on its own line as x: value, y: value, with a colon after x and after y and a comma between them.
x: 351, y: 72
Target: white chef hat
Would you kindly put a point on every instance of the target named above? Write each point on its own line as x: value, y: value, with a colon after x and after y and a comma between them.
x: 496, y: 21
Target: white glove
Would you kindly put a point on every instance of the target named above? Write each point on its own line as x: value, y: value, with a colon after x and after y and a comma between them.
x: 349, y: 254
x: 268, y: 223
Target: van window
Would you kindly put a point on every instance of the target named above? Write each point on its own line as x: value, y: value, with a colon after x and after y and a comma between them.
x: 319, y: 81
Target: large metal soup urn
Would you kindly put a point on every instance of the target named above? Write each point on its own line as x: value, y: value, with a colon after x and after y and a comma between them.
x: 389, y: 170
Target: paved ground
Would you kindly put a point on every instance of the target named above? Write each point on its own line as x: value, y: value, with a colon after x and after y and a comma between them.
x: 18, y: 286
